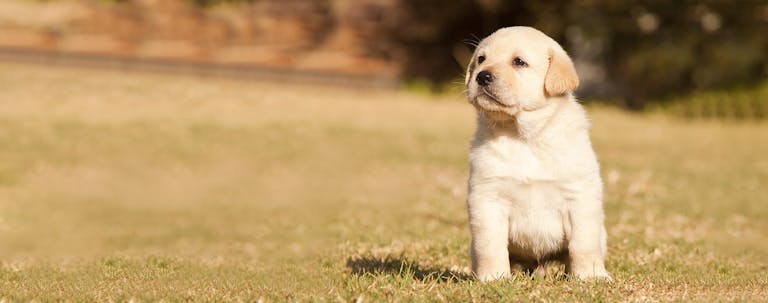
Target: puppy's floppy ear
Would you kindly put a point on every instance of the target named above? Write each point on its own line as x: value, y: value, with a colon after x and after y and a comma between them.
x: 470, y: 69
x: 561, y: 76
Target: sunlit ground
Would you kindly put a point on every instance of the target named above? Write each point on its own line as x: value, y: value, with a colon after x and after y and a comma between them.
x: 137, y: 186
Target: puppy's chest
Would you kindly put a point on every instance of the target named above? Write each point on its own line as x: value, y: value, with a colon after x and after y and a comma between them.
x: 513, y: 160
x: 526, y: 180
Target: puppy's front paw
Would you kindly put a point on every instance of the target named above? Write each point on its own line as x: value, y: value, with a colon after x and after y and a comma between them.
x: 488, y: 277
x: 596, y: 274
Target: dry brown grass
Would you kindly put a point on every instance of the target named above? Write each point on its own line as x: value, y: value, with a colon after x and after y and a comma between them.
x: 117, y: 186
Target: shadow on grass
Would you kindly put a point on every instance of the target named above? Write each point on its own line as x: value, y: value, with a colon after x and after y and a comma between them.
x: 400, y: 267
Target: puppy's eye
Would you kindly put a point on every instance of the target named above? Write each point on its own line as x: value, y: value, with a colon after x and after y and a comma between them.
x: 480, y: 59
x: 519, y: 62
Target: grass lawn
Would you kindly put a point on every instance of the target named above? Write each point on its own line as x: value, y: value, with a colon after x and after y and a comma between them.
x: 117, y: 187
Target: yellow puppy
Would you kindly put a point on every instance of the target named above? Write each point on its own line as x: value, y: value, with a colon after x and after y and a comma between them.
x: 535, y: 193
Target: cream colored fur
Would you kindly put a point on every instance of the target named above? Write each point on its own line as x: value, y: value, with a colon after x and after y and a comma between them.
x: 535, y: 193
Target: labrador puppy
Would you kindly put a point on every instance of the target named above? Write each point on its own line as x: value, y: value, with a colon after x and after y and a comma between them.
x: 535, y: 193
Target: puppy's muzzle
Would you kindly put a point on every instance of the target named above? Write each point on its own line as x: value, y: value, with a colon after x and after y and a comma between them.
x: 484, y: 78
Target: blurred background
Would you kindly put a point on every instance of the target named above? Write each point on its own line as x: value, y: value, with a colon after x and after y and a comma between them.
x: 628, y: 53
x: 286, y: 150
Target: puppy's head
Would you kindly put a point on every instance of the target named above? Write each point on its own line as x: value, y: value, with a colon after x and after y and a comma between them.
x: 517, y: 69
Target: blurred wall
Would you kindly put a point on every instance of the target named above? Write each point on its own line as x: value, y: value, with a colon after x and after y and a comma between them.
x: 320, y: 36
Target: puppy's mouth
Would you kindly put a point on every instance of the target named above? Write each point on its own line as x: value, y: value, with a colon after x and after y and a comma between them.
x: 485, y: 100
x: 492, y: 96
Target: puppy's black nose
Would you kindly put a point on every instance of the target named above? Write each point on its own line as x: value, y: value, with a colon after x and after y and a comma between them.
x: 484, y: 78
